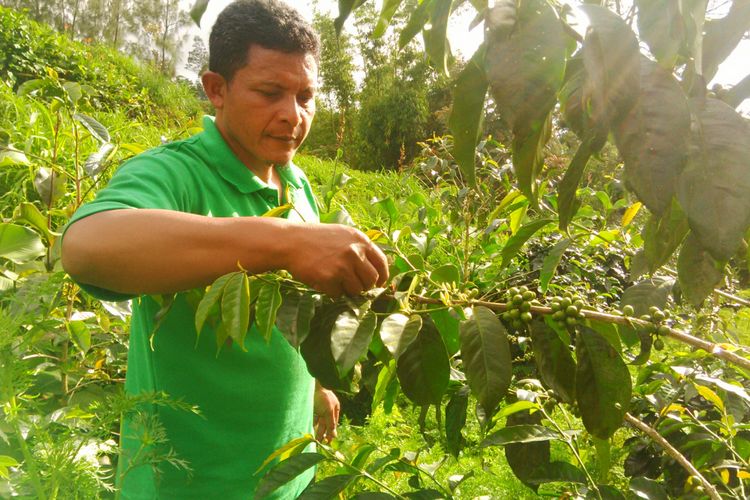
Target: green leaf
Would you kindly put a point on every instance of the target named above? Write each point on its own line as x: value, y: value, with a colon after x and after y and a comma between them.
x: 653, y: 138
x: 647, y: 293
x: 166, y: 302
x: 398, y: 331
x: 316, y: 348
x: 567, y: 204
x: 644, y: 354
x: 19, y: 244
x: 697, y: 271
x: 722, y: 36
x: 554, y: 361
x: 714, y: 188
x: 521, y: 434
x: 662, y: 235
x: 50, y: 185
x: 96, y: 162
x: 79, y: 334
x: 10, y: 158
x: 448, y: 326
x: 486, y: 357
x: 294, y: 444
x: 526, y: 51
x: 266, y: 307
x: 350, y: 339
x: 603, y: 386
x: 551, y: 261
x: 197, y: 11
x: 467, y: 113
x: 606, y: 492
x: 525, y: 459
x: 447, y: 273
x: 328, y: 488
x: 372, y: 495
x: 436, y: 38
x: 612, y: 61
x: 515, y: 242
x: 5, y: 462
x: 455, y: 420
x: 423, y: 368
x: 96, y: 129
x: 661, y: 26
x: 294, y: 316
x: 416, y: 22
x: 345, y: 9
x: 30, y: 214
x: 285, y: 471
x: 647, y: 489
x: 208, y: 301
x: 235, y: 308
x: 558, y: 472
x: 386, y: 14
x: 516, y: 407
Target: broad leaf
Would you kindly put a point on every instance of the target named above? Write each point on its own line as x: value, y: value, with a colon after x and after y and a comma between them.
x: 525, y: 459
x: 551, y: 261
x: 466, y: 116
x: 197, y: 11
x: 714, y: 187
x: 386, y: 14
x: 285, y: 471
x: 447, y: 273
x: 521, y: 434
x: 648, y: 489
x: 515, y: 242
x: 345, y: 9
x: 697, y: 271
x: 723, y: 35
x: 235, y: 308
x: 79, y: 334
x: 266, y: 307
x: 612, y: 61
x: 486, y: 357
x: 96, y: 161
x: 654, y: 137
x: 350, y: 339
x: 211, y: 298
x: 50, y: 185
x: 398, y: 331
x: 526, y: 51
x: 286, y: 450
x: 416, y: 22
x: 96, y: 129
x: 327, y: 488
x: 455, y: 420
x: 554, y: 361
x: 30, y: 214
x: 448, y: 326
x: 19, y: 244
x: 662, y: 235
x: 603, y: 386
x: 423, y: 369
x: 567, y: 203
x: 436, y: 38
x: 316, y: 348
x: 661, y: 26
x: 647, y: 293
x: 606, y: 492
x: 294, y: 316
x: 558, y: 472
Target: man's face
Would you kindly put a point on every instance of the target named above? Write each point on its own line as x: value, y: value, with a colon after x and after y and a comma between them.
x: 266, y: 109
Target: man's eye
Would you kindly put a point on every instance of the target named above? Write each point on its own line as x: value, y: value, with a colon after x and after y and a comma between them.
x: 271, y: 94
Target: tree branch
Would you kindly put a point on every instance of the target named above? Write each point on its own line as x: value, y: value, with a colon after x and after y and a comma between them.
x: 674, y: 453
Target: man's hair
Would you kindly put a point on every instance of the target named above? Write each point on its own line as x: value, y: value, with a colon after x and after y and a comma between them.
x: 268, y: 23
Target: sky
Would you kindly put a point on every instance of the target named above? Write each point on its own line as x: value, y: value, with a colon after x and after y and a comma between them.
x: 465, y: 42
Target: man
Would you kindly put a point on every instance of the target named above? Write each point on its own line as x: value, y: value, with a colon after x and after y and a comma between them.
x: 179, y: 216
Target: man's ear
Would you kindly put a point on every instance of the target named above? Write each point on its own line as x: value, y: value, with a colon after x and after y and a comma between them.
x: 215, y: 87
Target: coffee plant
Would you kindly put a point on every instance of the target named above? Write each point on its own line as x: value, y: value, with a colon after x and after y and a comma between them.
x: 461, y: 316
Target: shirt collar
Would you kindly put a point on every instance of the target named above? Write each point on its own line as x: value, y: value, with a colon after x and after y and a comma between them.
x: 221, y: 157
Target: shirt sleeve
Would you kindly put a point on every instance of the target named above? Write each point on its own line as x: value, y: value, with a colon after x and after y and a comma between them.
x: 155, y: 180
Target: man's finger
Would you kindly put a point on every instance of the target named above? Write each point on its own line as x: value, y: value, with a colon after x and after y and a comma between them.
x: 367, y: 274
x: 352, y: 285
x: 379, y: 261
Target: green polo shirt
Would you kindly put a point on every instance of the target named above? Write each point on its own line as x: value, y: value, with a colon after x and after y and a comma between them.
x: 252, y: 402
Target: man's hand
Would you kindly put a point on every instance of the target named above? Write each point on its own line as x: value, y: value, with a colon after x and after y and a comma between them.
x: 336, y: 259
x: 326, y: 409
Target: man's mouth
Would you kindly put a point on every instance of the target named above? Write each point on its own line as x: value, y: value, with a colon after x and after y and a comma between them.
x: 284, y: 138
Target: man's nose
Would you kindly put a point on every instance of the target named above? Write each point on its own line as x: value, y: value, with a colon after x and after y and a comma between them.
x: 291, y: 111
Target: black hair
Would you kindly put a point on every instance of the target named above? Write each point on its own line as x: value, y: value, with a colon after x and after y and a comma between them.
x: 269, y: 23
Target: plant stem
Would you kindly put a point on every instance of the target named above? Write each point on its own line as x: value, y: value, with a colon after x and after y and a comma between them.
x: 362, y: 472
x: 713, y: 349
x: 674, y: 453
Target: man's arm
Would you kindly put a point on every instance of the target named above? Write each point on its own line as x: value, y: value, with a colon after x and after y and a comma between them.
x: 137, y: 251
